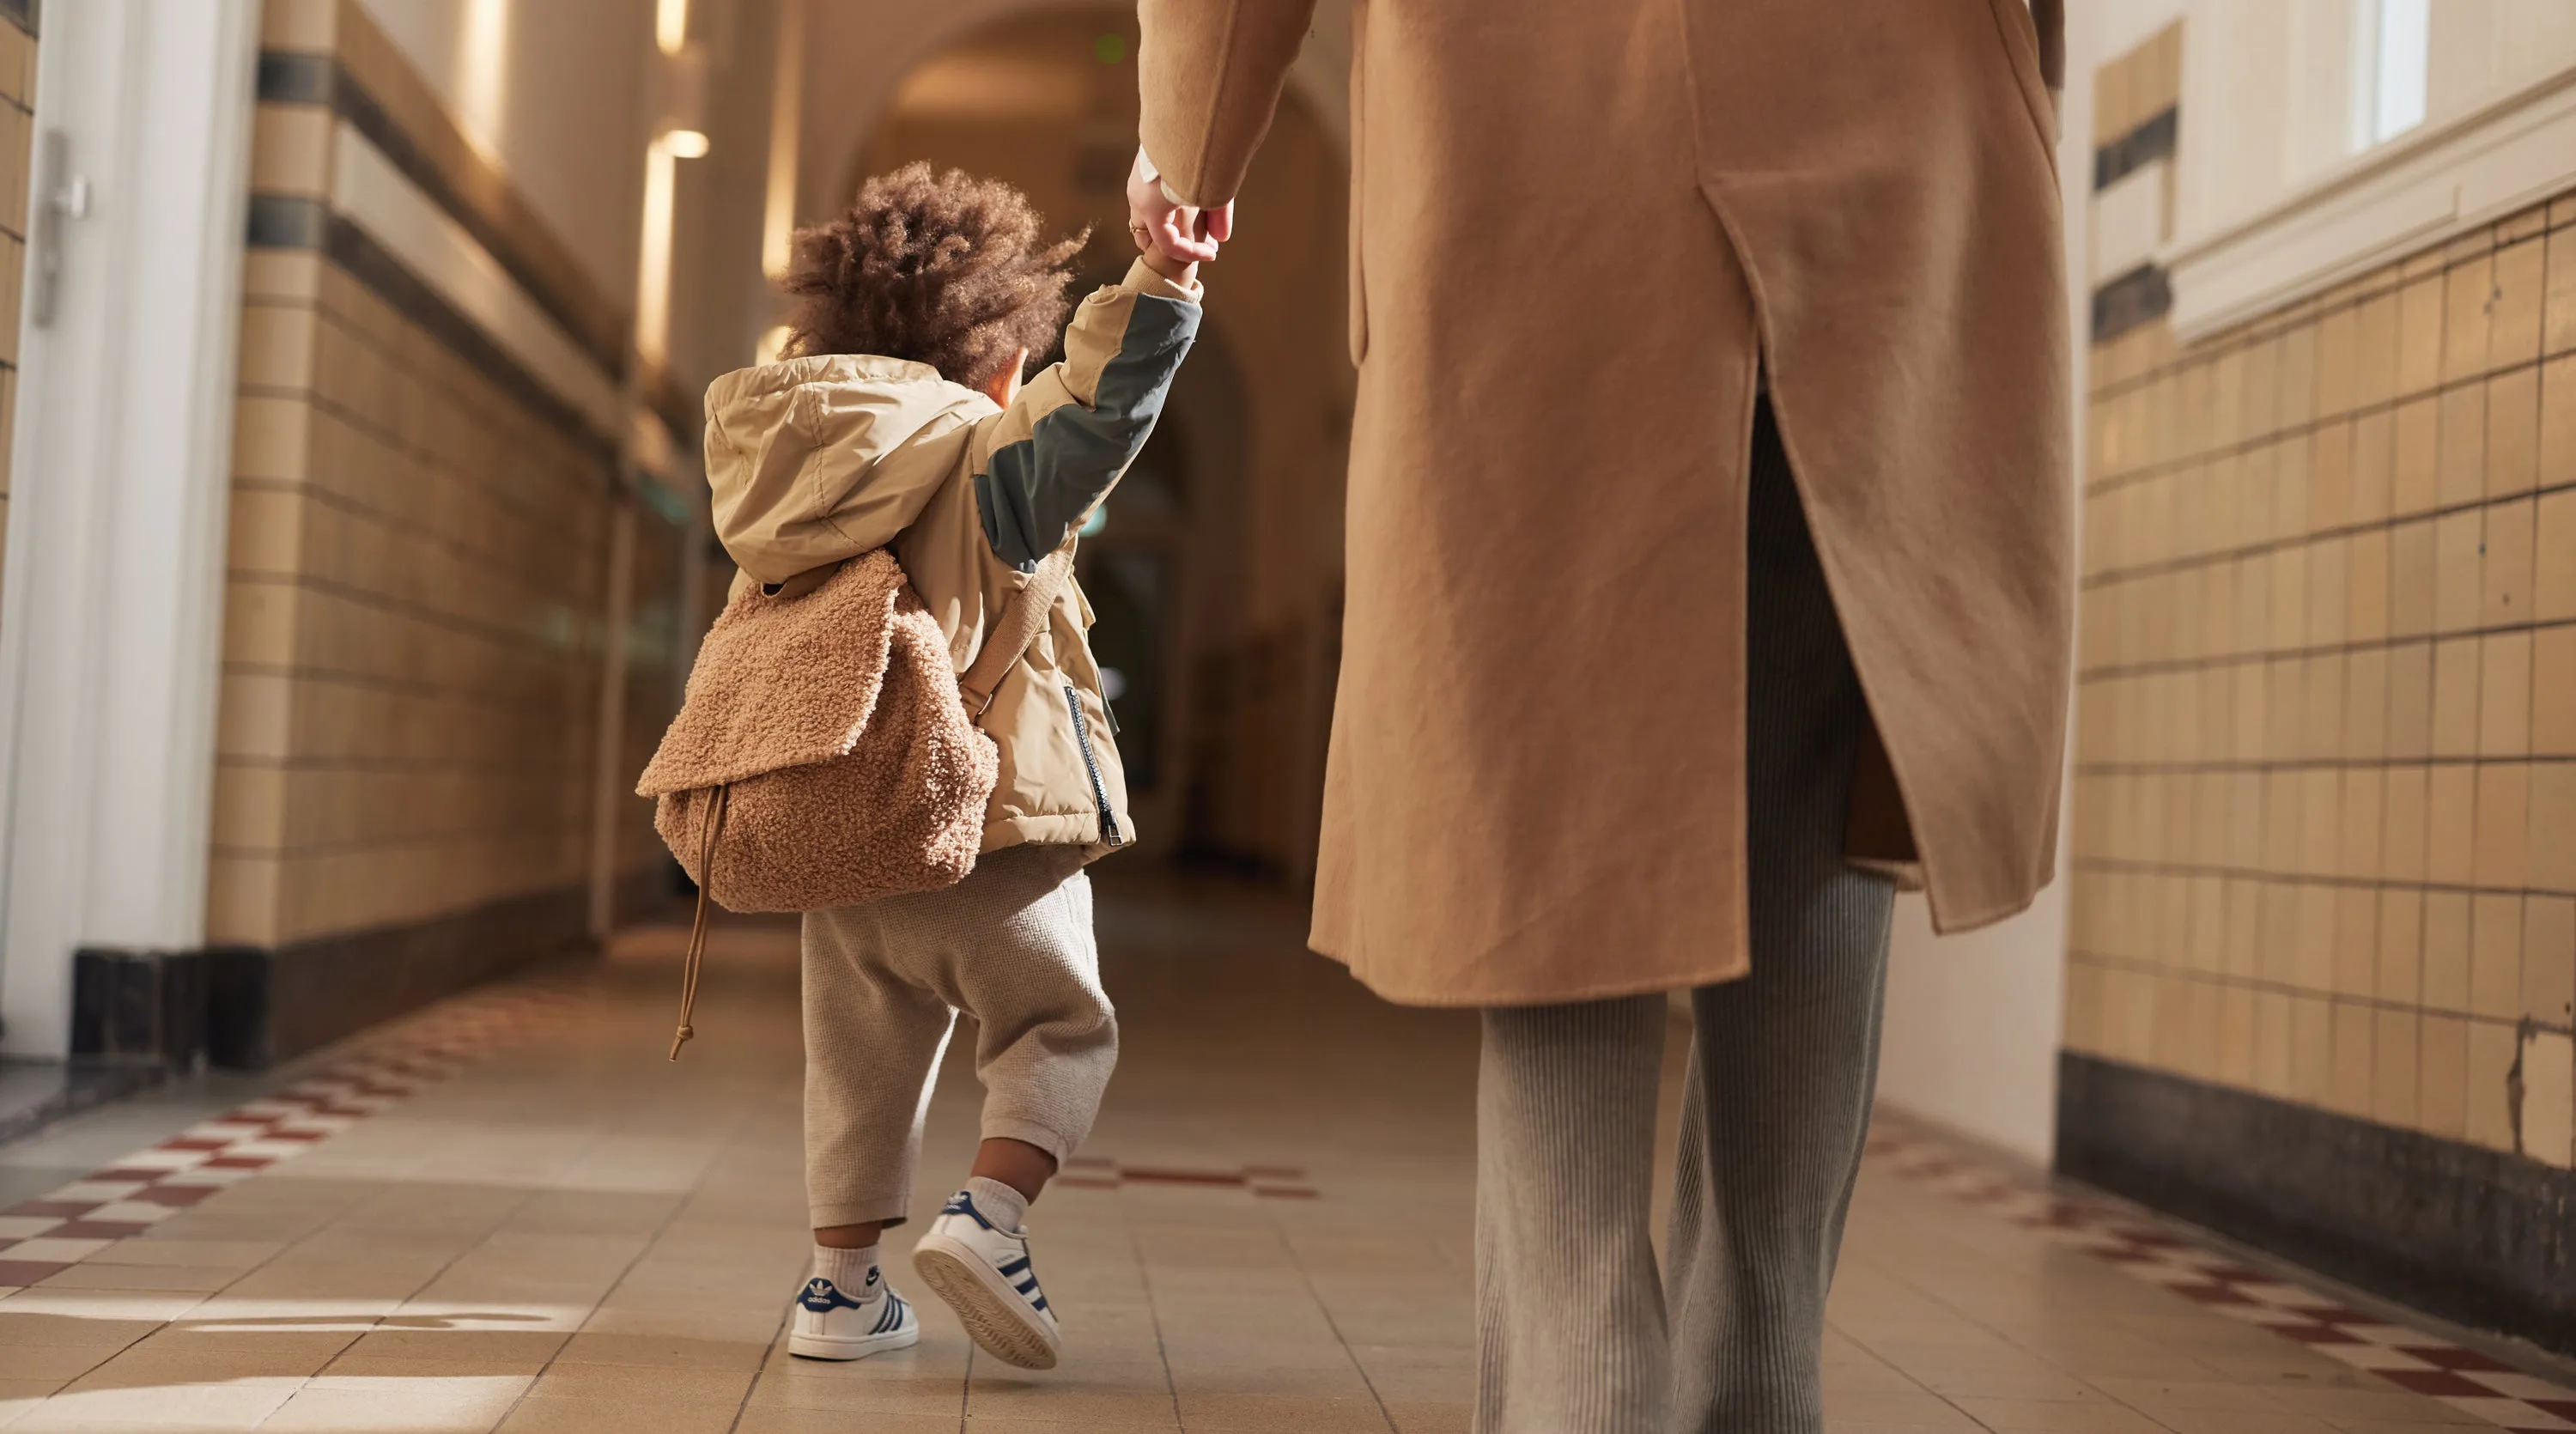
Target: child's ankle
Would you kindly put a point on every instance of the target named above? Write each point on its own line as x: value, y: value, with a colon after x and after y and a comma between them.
x: 1007, y: 1208
x: 848, y: 1270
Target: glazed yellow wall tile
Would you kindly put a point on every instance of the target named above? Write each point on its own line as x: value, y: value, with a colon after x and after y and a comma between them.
x: 2320, y: 816
x: 2288, y: 570
x: 2298, y: 376
x: 2459, y: 569
x: 2455, y: 697
x: 2513, y: 432
x: 2363, y: 828
x: 2356, y: 942
x: 2450, y: 856
x: 2465, y: 324
x: 2549, y: 960
x: 2504, y: 695
x: 2322, y: 708
x: 2553, y: 580
x: 2273, y: 1041
x: 2236, y: 1036
x: 2354, y: 1070
x: 2553, y: 692
x: 2495, y: 955
x: 2513, y: 304
x: 2558, y: 422
x: 2408, y: 799
x: 2558, y: 328
x: 2443, y: 1055
x: 2550, y: 852
x: 2338, y: 337
x: 2396, y: 1075
x: 2312, y: 1066
x: 2292, y: 481
x: 2412, y: 578
x: 2374, y: 350
x: 2312, y: 935
x: 2548, y: 1111
x: 2410, y: 701
x: 2400, y: 973
x: 2374, y: 467
x: 2417, y: 457
x: 2461, y: 467
x: 241, y: 900
x: 2446, y: 947
x: 2490, y: 1081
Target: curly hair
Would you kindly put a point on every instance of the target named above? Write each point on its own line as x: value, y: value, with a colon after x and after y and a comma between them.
x: 944, y: 269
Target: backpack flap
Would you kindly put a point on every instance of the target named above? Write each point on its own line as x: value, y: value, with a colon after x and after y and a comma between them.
x: 782, y: 681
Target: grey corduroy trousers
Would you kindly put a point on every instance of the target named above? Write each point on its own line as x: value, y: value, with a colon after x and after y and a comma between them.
x: 1576, y: 1331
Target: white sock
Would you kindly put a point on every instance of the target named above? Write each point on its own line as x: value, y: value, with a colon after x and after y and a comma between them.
x: 1001, y: 1204
x: 848, y: 1270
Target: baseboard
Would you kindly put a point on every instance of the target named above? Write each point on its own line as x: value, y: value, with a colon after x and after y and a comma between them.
x: 2478, y: 1236
x: 271, y: 1004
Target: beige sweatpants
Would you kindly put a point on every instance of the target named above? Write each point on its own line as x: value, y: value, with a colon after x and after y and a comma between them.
x: 1010, y: 946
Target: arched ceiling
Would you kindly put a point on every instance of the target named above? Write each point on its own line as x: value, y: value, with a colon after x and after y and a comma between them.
x: 859, y: 53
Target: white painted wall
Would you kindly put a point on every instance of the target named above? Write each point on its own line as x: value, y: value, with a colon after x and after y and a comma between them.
x: 1973, y: 1021
x: 555, y: 91
x: 2269, y: 89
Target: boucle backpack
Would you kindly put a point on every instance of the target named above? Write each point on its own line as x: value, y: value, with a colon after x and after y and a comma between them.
x: 826, y: 751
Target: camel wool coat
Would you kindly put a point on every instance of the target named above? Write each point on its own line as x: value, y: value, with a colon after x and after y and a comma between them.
x: 1583, y: 236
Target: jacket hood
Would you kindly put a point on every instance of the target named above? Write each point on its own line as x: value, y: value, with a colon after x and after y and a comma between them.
x: 814, y: 460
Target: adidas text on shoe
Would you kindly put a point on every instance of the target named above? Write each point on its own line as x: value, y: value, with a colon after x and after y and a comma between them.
x: 831, y: 1325
x: 985, y: 1276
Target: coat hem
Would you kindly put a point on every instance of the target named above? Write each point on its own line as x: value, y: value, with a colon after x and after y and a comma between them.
x: 1487, y: 1000
x: 1947, y: 925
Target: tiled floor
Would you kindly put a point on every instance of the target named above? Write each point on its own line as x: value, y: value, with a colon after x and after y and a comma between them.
x: 1270, y: 1232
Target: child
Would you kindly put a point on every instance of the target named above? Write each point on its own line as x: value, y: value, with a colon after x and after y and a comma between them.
x: 901, y: 419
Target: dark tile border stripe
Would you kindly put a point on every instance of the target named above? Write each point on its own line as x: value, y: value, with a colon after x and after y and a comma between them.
x: 300, y: 78
x: 2140, y: 296
x: 280, y: 221
x: 271, y: 1004
x: 2153, y: 139
x: 2477, y: 1236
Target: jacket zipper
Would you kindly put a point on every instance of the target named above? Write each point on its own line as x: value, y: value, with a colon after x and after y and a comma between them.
x: 1091, y: 765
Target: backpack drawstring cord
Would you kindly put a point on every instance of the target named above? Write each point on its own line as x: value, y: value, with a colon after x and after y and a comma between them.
x: 691, y: 964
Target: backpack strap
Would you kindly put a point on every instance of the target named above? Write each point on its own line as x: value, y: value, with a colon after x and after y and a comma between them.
x: 1020, y: 622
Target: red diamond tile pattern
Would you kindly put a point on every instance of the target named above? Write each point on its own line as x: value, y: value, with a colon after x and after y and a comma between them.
x: 125, y: 1199
x: 1265, y: 1182
x: 2139, y: 1243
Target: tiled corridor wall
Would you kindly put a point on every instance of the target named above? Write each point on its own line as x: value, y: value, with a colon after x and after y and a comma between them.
x: 17, y: 143
x: 2325, y: 803
x: 419, y: 563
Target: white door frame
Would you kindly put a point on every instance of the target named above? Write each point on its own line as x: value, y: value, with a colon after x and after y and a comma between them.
x: 111, y: 606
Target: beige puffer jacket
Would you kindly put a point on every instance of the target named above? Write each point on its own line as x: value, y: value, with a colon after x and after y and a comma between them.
x: 815, y: 460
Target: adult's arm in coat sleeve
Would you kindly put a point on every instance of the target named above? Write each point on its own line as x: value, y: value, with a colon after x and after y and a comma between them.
x: 1210, y: 73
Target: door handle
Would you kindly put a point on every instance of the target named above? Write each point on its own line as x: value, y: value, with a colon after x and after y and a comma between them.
x: 65, y: 196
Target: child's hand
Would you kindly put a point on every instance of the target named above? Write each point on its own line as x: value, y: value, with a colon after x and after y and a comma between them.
x: 1177, y: 270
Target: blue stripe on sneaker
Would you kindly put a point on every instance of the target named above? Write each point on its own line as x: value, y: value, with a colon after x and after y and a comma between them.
x: 1015, y: 1266
x: 1027, y: 1286
x: 962, y: 1203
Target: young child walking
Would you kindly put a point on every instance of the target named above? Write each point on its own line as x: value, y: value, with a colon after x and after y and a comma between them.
x: 900, y: 418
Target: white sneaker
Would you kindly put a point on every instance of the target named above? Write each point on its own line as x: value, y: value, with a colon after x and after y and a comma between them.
x: 984, y: 1274
x: 832, y: 1325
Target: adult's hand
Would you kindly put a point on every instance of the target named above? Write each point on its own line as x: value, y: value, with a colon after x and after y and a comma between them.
x: 1159, y: 222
